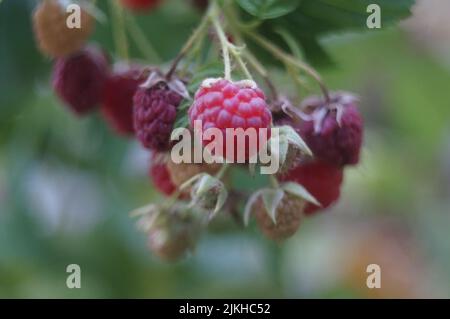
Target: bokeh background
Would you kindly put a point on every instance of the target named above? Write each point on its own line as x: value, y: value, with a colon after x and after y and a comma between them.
x: 67, y: 184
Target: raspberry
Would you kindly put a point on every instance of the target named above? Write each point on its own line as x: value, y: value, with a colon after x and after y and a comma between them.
x: 335, y: 131
x: 174, y: 233
x: 160, y: 177
x: 322, y: 180
x: 182, y: 172
x: 288, y: 216
x: 79, y: 79
x: 53, y: 36
x: 141, y: 5
x: 222, y: 104
x: 155, y: 110
x: 117, y: 105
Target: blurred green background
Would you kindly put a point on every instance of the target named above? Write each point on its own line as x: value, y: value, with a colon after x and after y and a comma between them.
x: 66, y: 184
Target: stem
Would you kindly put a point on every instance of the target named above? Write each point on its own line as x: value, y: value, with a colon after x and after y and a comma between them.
x: 228, y: 47
x: 255, y: 64
x: 274, y: 181
x: 296, y: 78
x: 272, y: 89
x: 120, y: 36
x: 222, y: 171
x: 198, y: 32
x: 259, y: 68
x: 141, y: 41
x: 224, y: 44
x: 242, y: 65
x: 289, y: 60
x: 253, y: 61
x: 275, y: 265
x: 263, y: 72
x: 172, y: 199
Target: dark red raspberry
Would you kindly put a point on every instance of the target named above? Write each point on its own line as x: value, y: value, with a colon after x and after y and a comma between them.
x: 79, y: 79
x: 223, y: 104
x: 155, y: 110
x: 321, y: 179
x: 335, y: 131
x: 160, y: 177
x: 200, y: 4
x: 117, y: 105
x: 141, y: 5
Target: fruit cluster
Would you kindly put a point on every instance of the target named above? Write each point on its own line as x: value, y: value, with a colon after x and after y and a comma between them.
x: 317, y: 138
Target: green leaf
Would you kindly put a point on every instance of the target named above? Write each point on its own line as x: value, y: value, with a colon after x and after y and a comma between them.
x: 293, y: 45
x: 191, y: 181
x: 221, y: 199
x: 148, y: 216
x: 206, y: 183
x: 271, y: 199
x: 147, y: 209
x: 249, y: 205
x: 319, y: 16
x: 268, y: 9
x: 207, y: 188
x: 315, y: 18
x: 294, y: 138
x: 283, y: 146
x: 299, y: 191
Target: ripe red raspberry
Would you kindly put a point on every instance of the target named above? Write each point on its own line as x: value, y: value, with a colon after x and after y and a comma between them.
x: 53, y: 36
x: 335, y: 130
x: 289, y: 214
x: 161, y: 179
x: 117, y: 105
x: 322, y: 180
x: 79, y: 79
x: 141, y: 5
x: 223, y: 104
x: 155, y: 110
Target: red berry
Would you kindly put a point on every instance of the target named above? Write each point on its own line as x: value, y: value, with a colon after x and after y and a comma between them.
x: 337, y: 141
x: 321, y: 179
x: 79, y: 79
x: 223, y: 104
x: 117, y: 105
x: 140, y: 5
x: 160, y: 177
x: 155, y: 110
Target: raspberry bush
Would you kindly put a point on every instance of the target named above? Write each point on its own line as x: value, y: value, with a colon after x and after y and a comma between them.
x: 222, y: 78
